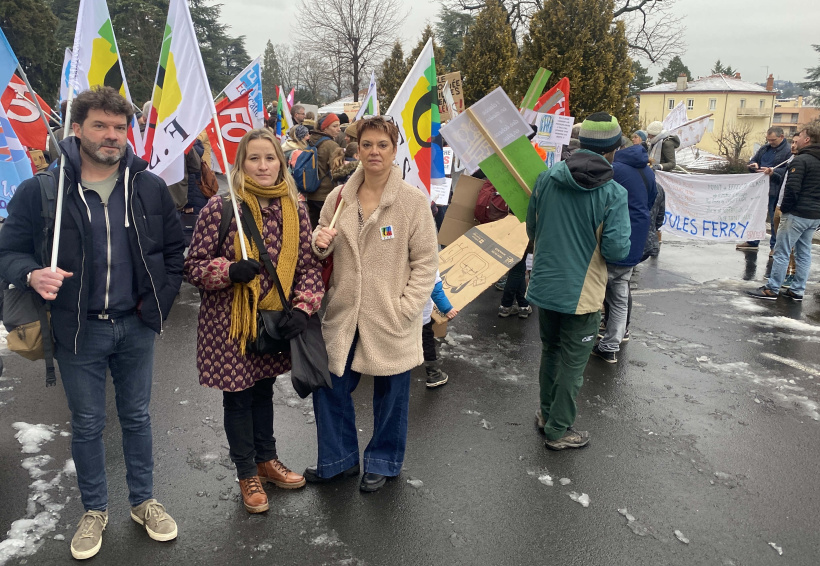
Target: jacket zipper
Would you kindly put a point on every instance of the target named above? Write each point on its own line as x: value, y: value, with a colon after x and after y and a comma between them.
x: 142, y: 253
x: 108, y: 259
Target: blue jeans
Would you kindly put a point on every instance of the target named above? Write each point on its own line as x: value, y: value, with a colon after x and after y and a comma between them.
x: 793, y: 232
x: 336, y: 423
x: 126, y: 346
x: 771, y: 209
x: 516, y: 287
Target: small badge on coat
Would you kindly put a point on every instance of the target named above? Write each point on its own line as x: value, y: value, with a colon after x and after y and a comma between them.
x: 386, y: 232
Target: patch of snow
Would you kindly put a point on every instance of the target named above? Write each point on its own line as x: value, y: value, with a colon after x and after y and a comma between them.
x: 778, y: 549
x: 583, y: 499
x: 680, y: 537
x: 416, y: 483
x: 546, y: 479
x: 565, y: 481
x: 32, y: 436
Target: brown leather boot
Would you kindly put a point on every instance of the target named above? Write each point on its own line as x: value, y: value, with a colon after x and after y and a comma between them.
x: 253, y: 495
x: 278, y: 474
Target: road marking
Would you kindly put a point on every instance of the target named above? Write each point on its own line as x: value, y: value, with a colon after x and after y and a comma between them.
x: 672, y: 290
x: 796, y: 365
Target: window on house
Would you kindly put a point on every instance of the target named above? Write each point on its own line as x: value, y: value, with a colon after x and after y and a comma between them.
x: 743, y: 103
x: 671, y: 103
x: 690, y: 104
x: 777, y: 118
x: 762, y: 103
x: 712, y: 103
x: 792, y: 130
x: 710, y: 127
x: 794, y: 118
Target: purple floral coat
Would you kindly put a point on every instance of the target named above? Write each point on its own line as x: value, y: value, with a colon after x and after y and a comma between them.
x: 218, y: 360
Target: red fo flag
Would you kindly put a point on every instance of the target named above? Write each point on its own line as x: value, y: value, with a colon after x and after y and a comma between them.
x: 234, y: 121
x: 555, y: 100
x: 24, y: 116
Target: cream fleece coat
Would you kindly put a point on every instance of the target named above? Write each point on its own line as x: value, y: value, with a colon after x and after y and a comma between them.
x: 382, y: 277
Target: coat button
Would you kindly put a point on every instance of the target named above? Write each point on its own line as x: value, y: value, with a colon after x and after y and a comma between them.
x: 267, y: 241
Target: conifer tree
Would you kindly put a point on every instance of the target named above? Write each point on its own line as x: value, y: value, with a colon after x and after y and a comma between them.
x: 578, y: 40
x: 438, y: 52
x: 488, y: 59
x: 640, y: 78
x: 270, y: 73
x: 29, y: 27
x: 673, y: 70
x: 451, y: 28
x: 393, y: 71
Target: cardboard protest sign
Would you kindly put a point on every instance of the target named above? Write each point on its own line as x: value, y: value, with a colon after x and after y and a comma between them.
x: 536, y: 88
x: 454, y: 80
x: 492, y: 135
x: 553, y: 129
x: 479, y: 258
x: 719, y: 208
x: 460, y: 215
x: 440, y: 192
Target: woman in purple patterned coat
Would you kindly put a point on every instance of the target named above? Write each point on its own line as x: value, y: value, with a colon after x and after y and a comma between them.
x: 234, y: 288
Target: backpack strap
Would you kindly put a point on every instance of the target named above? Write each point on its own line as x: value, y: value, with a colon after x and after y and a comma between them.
x: 48, y: 199
x: 225, y: 222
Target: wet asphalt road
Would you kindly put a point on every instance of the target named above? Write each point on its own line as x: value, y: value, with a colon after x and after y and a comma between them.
x: 703, y: 427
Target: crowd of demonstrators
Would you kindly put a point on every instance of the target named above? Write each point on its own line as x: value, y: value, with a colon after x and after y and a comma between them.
x: 233, y: 289
x: 631, y: 171
x: 778, y: 214
x: 373, y: 323
x: 771, y: 160
x: 800, y: 218
x: 662, y: 146
x: 296, y: 140
x: 119, y: 271
x: 298, y: 113
x: 432, y: 364
x: 578, y: 220
x: 323, y: 139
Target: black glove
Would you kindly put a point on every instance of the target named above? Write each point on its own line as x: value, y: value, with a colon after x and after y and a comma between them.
x: 295, y: 325
x: 244, y: 270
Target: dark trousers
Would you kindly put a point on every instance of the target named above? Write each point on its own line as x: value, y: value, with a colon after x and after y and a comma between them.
x: 428, y: 342
x: 249, y: 426
x: 516, y: 287
x: 314, y: 211
x: 566, y: 343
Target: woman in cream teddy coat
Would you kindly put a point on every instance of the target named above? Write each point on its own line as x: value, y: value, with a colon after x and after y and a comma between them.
x: 385, y: 258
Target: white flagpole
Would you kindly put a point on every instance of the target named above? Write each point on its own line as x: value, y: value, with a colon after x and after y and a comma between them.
x: 58, y: 215
x: 230, y: 187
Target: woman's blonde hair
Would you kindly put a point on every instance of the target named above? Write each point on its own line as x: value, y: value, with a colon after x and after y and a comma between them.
x: 337, y: 159
x: 238, y: 171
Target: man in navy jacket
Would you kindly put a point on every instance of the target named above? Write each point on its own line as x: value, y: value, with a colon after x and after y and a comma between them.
x: 119, y: 270
x: 631, y: 171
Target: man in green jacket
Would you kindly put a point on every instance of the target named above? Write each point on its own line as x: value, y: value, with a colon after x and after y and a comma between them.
x: 578, y: 220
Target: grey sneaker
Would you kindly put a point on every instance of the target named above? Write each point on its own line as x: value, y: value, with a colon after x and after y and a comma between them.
x: 88, y: 538
x: 504, y: 312
x: 158, y: 524
x: 540, y: 423
x: 571, y: 439
x: 524, y: 312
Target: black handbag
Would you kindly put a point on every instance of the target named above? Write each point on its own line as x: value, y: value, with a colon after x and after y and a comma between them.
x: 269, y: 339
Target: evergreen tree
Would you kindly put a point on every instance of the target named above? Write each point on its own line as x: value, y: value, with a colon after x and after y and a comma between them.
x: 488, y: 59
x: 270, y: 73
x: 438, y: 52
x: 29, y: 27
x: 813, y: 76
x: 451, y: 28
x: 578, y: 40
x: 640, y: 78
x: 138, y: 27
x: 673, y: 70
x: 719, y: 69
x: 393, y: 72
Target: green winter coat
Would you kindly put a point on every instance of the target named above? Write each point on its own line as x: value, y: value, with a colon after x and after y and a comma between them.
x: 578, y: 220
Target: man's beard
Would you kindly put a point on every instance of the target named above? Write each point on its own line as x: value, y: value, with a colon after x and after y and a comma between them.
x: 95, y: 153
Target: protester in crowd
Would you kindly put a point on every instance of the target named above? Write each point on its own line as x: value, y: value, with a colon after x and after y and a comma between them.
x: 108, y: 299
x: 574, y: 144
x: 787, y: 282
x: 271, y: 122
x: 771, y: 160
x: 385, y: 259
x: 298, y: 113
x: 206, y: 148
x: 297, y: 139
x: 432, y: 363
x: 196, y: 199
x: 657, y: 217
x: 662, y: 146
x: 351, y: 133
x: 352, y: 152
x: 514, y: 296
x: 340, y: 161
x: 800, y: 218
x: 234, y: 288
x: 578, y: 219
x: 323, y: 138
x: 639, y: 138
x: 632, y: 172
x: 146, y: 115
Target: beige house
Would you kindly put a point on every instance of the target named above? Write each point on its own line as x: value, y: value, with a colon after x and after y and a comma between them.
x: 733, y: 103
x: 791, y: 114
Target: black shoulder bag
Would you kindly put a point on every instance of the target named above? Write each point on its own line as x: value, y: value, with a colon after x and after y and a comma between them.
x: 269, y: 339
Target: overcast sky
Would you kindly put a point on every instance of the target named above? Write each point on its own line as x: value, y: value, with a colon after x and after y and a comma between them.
x: 749, y: 35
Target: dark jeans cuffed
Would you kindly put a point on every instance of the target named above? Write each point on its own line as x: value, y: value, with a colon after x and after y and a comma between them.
x: 249, y: 426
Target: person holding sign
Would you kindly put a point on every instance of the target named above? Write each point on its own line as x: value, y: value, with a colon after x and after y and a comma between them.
x: 235, y: 289
x: 385, y: 257
x: 578, y: 219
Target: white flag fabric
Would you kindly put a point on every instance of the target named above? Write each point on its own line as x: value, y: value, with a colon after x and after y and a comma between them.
x: 718, y: 208
x: 370, y: 104
x: 250, y: 79
x: 95, y: 58
x: 181, y: 105
x: 676, y: 118
x: 691, y: 132
x: 66, y: 75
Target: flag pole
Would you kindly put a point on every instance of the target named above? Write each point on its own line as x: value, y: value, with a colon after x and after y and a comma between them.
x: 58, y: 215
x: 230, y: 187
x: 37, y: 103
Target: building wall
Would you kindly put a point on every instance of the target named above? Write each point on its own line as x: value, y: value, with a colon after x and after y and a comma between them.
x: 727, y: 111
x: 792, y: 118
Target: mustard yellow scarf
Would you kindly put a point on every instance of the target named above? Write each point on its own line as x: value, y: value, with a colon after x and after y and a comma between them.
x: 246, y: 299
